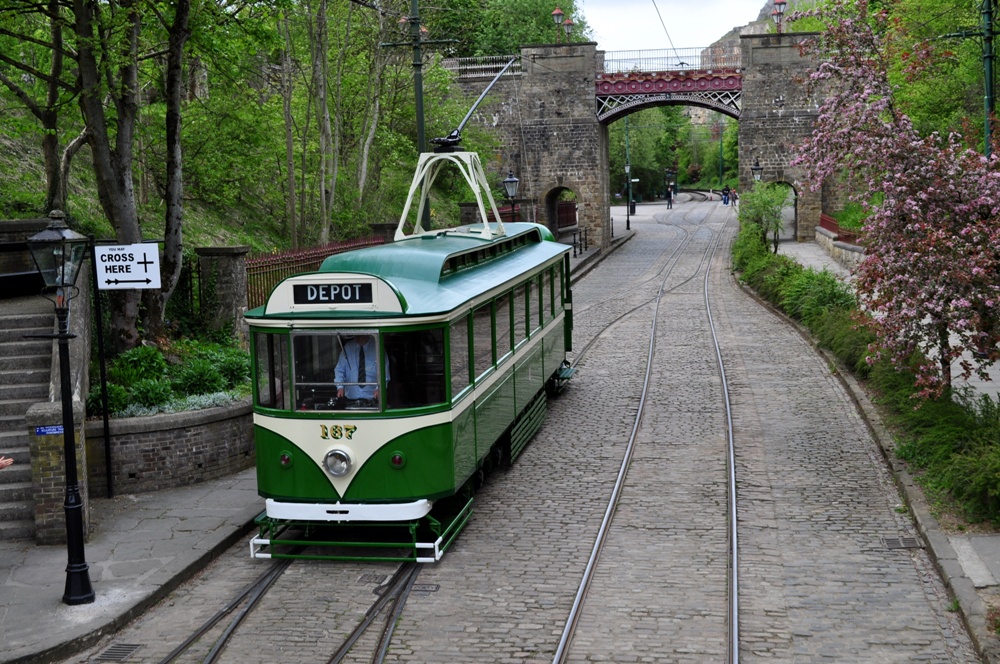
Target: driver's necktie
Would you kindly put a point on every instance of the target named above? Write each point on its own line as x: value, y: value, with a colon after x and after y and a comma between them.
x: 361, y: 365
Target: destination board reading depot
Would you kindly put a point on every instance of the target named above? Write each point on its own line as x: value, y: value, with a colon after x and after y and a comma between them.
x: 332, y: 293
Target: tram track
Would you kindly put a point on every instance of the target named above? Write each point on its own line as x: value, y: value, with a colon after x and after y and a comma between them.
x: 390, y: 599
x: 665, y: 271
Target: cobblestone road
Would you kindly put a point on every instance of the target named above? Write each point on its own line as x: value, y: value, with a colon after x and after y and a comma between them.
x: 817, y: 582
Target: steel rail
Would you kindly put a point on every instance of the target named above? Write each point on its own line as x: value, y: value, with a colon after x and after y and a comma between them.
x: 734, y: 597
x: 562, y: 649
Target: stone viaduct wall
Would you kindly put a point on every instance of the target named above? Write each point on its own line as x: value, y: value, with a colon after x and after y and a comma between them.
x: 546, y: 123
x: 777, y: 113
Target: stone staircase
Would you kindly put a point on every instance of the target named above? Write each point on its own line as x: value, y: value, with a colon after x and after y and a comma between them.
x: 25, y: 369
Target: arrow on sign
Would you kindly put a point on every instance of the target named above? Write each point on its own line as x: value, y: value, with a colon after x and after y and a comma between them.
x: 129, y: 281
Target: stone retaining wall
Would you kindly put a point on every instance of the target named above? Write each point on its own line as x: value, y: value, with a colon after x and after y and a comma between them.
x: 169, y: 450
x: 847, y: 255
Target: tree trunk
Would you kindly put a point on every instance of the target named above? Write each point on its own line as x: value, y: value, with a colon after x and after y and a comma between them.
x: 170, y: 272
x: 320, y: 55
x: 286, y: 95
x: 112, y: 163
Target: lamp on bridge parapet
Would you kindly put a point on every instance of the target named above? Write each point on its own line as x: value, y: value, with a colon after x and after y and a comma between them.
x: 778, y: 13
x: 757, y: 170
x: 510, y: 187
x: 567, y: 24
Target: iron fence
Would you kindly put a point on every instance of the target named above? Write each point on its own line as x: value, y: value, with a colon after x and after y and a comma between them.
x: 264, y: 271
x: 721, y: 56
x: 481, y: 67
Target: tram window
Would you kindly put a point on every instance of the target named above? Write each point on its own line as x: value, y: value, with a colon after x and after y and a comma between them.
x: 520, y: 331
x: 482, y: 339
x: 545, y: 296
x: 531, y: 295
x: 417, y: 360
x: 560, y: 300
x: 504, y: 342
x: 327, y: 370
x: 459, y: 356
x: 271, y: 359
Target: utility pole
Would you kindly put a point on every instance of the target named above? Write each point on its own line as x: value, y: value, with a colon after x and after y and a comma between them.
x: 628, y: 181
x: 416, y: 42
x: 986, y: 33
x: 989, y: 103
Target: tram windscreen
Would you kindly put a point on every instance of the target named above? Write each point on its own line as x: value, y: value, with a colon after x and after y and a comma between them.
x: 338, y: 370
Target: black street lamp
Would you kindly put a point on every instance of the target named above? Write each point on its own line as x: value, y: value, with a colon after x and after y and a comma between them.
x: 58, y: 253
x: 757, y: 170
x: 510, y: 187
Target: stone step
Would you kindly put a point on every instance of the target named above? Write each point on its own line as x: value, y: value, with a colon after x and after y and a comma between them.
x: 20, y: 362
x: 20, y: 321
x: 29, y: 347
x: 13, y: 424
x: 19, y: 472
x: 11, y: 492
x: 8, y: 334
x: 25, y: 376
x: 32, y: 391
x: 15, y: 530
x: 17, y: 407
x: 13, y: 440
x: 17, y: 510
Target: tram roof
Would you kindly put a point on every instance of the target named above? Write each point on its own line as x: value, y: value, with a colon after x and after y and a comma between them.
x: 435, y: 273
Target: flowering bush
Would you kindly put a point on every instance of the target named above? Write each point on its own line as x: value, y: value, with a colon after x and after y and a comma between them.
x: 930, y: 275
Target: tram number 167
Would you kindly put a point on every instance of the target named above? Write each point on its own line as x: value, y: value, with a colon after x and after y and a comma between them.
x: 336, y: 432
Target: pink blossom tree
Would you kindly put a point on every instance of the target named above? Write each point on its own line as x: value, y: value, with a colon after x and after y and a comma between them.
x: 931, y: 273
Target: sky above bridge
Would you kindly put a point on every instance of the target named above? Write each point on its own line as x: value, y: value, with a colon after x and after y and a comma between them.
x: 626, y: 25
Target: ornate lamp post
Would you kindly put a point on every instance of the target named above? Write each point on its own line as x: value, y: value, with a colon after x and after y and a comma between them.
x: 568, y: 28
x: 757, y: 170
x: 58, y: 253
x: 778, y: 13
x: 567, y: 25
x: 510, y: 187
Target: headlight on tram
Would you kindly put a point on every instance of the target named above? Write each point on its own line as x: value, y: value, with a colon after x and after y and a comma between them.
x: 338, y: 462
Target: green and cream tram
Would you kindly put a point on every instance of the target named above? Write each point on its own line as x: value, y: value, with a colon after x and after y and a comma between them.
x: 469, y: 328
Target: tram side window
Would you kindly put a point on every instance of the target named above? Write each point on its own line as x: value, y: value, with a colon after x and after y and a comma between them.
x: 560, y: 301
x: 520, y: 331
x: 504, y: 342
x: 459, y: 356
x: 482, y: 339
x: 531, y: 296
x: 417, y: 360
x: 545, y: 296
x: 272, y: 366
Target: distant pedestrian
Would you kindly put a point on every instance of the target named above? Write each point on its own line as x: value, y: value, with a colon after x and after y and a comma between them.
x: 725, y: 195
x: 670, y: 198
x: 5, y: 461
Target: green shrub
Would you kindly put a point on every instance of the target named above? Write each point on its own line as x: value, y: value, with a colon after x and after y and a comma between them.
x: 150, y: 392
x: 840, y: 330
x: 234, y: 365
x: 140, y: 363
x: 809, y: 294
x: 117, y: 399
x: 197, y: 376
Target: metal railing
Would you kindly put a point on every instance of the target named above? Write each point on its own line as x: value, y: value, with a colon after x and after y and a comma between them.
x: 721, y: 56
x: 481, y: 67
x: 264, y: 271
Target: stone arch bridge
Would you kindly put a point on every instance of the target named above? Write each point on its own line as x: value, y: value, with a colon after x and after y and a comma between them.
x: 552, y: 109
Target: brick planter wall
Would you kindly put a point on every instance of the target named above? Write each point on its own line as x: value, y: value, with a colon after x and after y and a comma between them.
x: 169, y: 450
